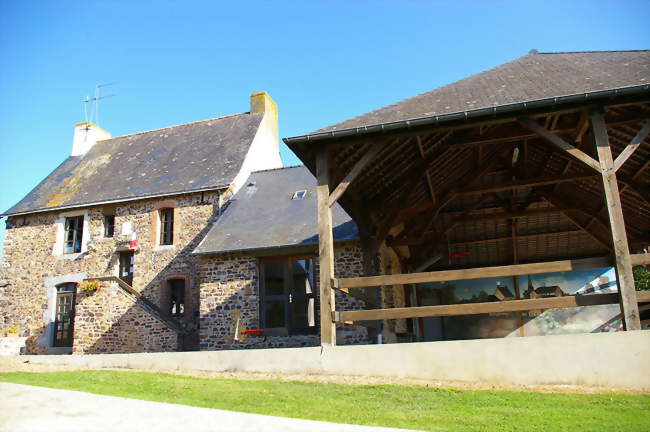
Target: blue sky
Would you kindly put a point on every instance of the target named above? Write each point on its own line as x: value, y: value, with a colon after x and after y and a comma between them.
x: 322, y: 62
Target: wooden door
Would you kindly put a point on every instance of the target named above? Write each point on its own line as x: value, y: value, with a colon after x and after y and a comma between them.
x: 126, y: 267
x: 64, y: 319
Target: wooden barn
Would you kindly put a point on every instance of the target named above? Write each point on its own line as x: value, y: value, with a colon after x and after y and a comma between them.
x: 540, y: 165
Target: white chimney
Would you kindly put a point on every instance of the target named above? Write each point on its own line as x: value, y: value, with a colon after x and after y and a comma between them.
x: 264, y: 151
x: 86, y: 135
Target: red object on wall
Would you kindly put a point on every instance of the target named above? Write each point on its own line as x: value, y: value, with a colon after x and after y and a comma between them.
x: 460, y: 254
x: 133, y: 244
x: 253, y: 332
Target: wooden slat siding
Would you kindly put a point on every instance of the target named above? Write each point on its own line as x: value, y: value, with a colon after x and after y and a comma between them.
x: 519, y: 237
x: 486, y: 308
x: 632, y: 146
x: 636, y: 175
x: 368, y: 157
x: 560, y: 143
x: 411, y: 241
x: 475, y: 273
x: 558, y: 203
x: 524, y: 184
x: 450, y: 193
x: 629, y: 306
x: 325, y: 250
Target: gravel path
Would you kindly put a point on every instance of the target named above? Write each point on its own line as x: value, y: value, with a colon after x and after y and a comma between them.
x: 35, y: 409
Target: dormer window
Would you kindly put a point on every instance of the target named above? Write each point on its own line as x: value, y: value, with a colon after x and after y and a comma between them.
x: 297, y: 195
x: 166, y: 226
x: 73, y: 234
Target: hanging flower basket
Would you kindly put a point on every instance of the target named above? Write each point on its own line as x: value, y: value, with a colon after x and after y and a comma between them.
x: 89, y: 285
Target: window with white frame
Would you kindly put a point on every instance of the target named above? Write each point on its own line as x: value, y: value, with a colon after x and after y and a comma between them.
x: 73, y: 234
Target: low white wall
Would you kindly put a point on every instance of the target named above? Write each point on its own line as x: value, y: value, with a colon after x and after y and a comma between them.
x: 612, y: 360
x: 12, y: 345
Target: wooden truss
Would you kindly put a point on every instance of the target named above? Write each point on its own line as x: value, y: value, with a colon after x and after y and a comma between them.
x: 425, y: 186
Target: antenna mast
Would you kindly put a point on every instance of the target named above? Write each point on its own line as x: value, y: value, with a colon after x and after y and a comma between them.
x: 94, y: 110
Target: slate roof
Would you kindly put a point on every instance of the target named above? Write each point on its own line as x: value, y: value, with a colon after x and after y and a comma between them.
x: 263, y: 215
x: 195, y: 156
x: 532, y: 77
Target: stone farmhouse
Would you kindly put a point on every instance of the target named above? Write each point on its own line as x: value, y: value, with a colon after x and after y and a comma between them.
x: 129, y: 212
x: 194, y: 237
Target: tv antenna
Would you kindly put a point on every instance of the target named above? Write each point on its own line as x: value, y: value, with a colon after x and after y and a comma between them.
x: 92, y: 104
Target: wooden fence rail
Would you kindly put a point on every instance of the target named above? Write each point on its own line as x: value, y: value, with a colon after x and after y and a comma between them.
x: 483, y: 272
x: 484, y: 308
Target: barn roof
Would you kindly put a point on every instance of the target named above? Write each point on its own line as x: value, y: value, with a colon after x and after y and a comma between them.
x: 264, y: 215
x: 476, y: 186
x: 533, y: 77
x: 195, y: 156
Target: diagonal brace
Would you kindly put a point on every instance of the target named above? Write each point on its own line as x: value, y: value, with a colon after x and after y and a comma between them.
x: 560, y: 143
x: 632, y: 146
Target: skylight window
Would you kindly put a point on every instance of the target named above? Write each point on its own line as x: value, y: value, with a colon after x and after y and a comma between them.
x: 297, y: 195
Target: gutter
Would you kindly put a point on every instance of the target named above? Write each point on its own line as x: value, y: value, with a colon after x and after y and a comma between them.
x: 116, y: 200
x: 588, y: 97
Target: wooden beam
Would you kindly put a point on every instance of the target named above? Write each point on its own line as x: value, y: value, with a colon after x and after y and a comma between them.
x: 414, y: 241
x: 474, y: 273
x: 583, y: 126
x: 368, y: 157
x: 448, y: 194
x: 560, y: 143
x: 325, y: 251
x: 561, y: 205
x: 519, y: 237
x: 640, y: 259
x: 486, y: 308
x: 629, y: 307
x: 427, y: 173
x: 527, y: 183
x: 632, y: 146
x: 642, y: 190
x: 645, y: 166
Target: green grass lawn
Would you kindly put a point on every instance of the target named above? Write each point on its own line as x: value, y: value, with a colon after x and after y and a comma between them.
x: 378, y: 405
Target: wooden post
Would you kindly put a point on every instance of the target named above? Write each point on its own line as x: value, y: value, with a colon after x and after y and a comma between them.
x: 629, y: 306
x: 325, y: 251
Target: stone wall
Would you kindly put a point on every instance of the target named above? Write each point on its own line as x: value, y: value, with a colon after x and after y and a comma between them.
x: 229, y: 290
x: 110, y: 321
x: 30, y: 259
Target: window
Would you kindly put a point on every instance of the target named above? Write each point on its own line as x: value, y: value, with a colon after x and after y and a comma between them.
x: 287, y: 296
x: 73, y: 234
x: 109, y: 226
x: 166, y: 226
x: 64, y: 318
x: 126, y: 267
x: 176, y: 297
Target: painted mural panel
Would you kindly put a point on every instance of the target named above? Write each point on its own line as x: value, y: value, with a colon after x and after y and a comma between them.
x: 584, y: 319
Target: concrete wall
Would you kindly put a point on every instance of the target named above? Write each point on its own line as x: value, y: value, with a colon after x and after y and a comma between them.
x: 611, y: 360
